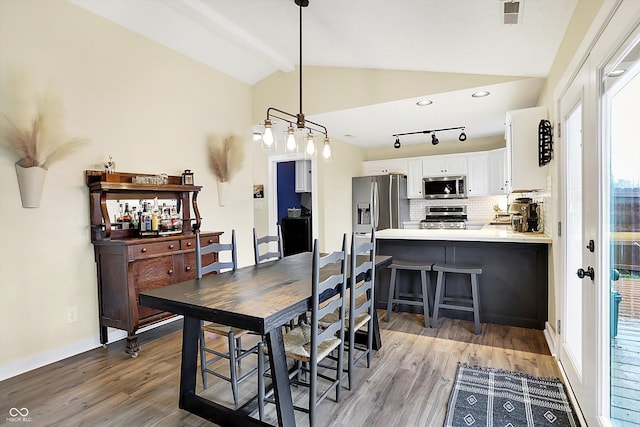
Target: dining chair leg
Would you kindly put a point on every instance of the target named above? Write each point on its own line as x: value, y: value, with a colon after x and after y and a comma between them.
x: 203, y: 357
x: 233, y: 373
x: 261, y: 372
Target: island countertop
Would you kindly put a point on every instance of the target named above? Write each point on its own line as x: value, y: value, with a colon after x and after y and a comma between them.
x: 483, y: 235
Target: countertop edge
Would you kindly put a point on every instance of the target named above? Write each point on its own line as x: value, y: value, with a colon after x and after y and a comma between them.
x: 501, y: 236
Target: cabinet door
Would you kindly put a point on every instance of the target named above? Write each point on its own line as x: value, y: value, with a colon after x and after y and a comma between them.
x: 384, y: 167
x: 303, y: 176
x: 414, y: 179
x: 477, y: 174
x: 151, y: 273
x: 497, y: 172
x: 454, y: 164
x: 521, y: 134
x: 373, y: 168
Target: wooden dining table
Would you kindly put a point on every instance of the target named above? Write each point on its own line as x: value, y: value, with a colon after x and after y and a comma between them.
x: 260, y: 298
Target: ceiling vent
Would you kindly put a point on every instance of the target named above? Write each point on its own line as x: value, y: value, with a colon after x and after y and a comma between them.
x: 512, y: 12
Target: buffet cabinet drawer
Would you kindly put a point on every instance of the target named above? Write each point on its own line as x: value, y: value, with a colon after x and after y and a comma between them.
x: 146, y: 250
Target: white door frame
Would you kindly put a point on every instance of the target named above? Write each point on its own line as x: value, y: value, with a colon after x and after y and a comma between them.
x: 272, y: 176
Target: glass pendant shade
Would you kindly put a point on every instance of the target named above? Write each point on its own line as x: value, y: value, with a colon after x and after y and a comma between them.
x: 311, y: 147
x: 326, y: 150
x: 267, y: 137
x: 291, y: 139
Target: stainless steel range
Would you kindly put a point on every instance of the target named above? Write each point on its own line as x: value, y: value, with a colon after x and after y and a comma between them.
x: 445, y: 217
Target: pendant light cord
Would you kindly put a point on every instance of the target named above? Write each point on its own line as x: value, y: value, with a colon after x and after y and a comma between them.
x: 300, y: 70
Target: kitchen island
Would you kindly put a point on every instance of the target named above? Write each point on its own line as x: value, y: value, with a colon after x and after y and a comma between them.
x: 514, y: 283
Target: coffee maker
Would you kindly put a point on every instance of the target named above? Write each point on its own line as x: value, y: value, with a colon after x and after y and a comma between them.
x: 526, y: 215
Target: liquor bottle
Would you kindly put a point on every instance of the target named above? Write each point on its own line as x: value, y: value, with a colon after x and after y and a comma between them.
x: 147, y: 218
x: 134, y: 218
x: 126, y: 217
x: 154, y: 215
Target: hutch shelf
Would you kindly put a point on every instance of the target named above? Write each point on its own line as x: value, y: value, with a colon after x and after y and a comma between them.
x: 128, y: 264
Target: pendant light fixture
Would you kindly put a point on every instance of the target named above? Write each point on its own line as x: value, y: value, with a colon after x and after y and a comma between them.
x: 434, y: 138
x: 299, y: 120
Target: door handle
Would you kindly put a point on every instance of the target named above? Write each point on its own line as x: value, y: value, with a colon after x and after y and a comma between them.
x: 589, y: 272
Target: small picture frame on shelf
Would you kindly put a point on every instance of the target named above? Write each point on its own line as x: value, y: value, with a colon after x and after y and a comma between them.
x: 187, y: 177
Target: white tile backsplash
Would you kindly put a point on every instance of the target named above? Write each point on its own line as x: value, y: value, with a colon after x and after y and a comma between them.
x: 478, y: 208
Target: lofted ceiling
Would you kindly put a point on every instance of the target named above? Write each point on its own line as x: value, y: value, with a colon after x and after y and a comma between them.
x: 252, y: 39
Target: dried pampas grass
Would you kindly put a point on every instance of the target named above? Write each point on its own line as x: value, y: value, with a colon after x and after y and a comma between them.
x: 225, y: 156
x: 39, y: 143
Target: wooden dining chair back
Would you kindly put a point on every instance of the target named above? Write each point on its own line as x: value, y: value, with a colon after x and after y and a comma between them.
x: 308, y: 344
x: 361, y: 300
x: 267, y: 242
x: 218, y: 249
x: 235, y: 353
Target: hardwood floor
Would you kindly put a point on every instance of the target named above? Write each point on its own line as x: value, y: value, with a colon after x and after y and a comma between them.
x: 408, y: 384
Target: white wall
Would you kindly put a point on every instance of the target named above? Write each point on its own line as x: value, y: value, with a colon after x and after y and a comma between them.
x: 148, y: 107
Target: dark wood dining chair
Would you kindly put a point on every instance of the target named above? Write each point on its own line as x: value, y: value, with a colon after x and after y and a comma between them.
x: 234, y: 336
x: 308, y: 344
x: 266, y: 242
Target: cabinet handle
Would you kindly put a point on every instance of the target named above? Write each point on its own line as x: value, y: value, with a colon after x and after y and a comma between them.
x: 170, y: 246
x: 170, y: 272
x: 144, y: 249
x: 188, y: 243
x: 210, y: 241
x: 188, y: 268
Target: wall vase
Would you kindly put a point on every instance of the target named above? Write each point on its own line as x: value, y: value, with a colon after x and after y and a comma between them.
x: 223, y: 191
x: 31, y: 183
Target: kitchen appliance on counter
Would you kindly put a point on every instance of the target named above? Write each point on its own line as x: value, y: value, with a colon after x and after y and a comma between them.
x: 445, y: 217
x: 526, y: 215
x: 445, y: 187
x: 380, y: 202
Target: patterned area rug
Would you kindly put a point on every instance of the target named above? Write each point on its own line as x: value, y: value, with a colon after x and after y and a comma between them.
x: 493, y: 397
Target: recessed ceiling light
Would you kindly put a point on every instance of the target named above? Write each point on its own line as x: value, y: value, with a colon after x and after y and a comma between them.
x: 424, y: 102
x: 616, y: 73
x: 480, y: 94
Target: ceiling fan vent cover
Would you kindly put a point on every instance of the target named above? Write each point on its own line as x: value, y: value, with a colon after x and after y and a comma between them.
x: 512, y: 12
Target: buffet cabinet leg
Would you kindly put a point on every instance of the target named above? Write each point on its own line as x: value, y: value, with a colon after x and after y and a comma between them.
x: 132, y: 346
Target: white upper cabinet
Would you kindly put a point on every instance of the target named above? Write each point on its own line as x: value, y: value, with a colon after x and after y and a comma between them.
x: 521, y: 133
x: 414, y: 179
x: 452, y: 164
x: 303, y: 176
x: 384, y: 167
x: 477, y: 174
x: 497, y: 160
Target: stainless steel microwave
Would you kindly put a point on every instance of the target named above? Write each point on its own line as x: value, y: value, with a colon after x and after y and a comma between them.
x: 445, y: 187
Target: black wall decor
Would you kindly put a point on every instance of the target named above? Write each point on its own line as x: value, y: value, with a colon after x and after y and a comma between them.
x: 545, y: 142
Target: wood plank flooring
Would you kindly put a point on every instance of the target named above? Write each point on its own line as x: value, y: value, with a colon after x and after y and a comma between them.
x: 408, y: 384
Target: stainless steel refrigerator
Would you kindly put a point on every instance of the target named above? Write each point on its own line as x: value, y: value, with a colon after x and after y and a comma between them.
x: 379, y: 201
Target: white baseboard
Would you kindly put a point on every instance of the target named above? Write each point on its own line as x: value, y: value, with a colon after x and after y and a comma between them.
x: 550, y: 336
x: 39, y: 360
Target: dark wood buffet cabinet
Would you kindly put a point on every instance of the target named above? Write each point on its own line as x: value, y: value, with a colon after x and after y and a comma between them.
x: 128, y: 264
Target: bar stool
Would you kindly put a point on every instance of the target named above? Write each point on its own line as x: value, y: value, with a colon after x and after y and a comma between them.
x: 393, y: 288
x: 441, y: 301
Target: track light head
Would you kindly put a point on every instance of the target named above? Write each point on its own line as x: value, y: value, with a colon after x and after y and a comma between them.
x: 397, y: 143
x: 462, y: 137
x: 434, y: 140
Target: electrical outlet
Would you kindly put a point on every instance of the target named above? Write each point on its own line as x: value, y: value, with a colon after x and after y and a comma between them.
x: 72, y: 314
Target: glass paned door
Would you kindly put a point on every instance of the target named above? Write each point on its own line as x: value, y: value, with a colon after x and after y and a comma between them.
x: 621, y: 104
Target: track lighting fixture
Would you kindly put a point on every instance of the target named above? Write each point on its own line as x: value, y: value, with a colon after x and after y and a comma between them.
x: 434, y: 138
x: 299, y: 120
